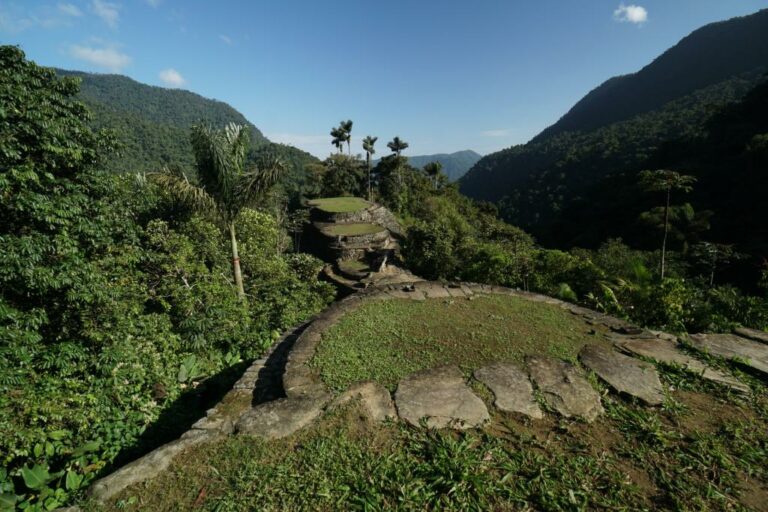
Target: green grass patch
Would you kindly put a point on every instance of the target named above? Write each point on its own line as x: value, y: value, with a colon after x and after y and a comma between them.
x: 354, y: 266
x: 387, y: 340
x: 352, y: 229
x: 339, y: 204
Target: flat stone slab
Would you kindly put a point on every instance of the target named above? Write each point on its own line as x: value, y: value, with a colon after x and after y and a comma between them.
x: 374, y: 399
x: 665, y: 351
x: 511, y: 388
x: 753, y: 353
x: 441, y: 396
x: 281, y: 417
x: 754, y: 334
x: 564, y: 389
x: 623, y: 373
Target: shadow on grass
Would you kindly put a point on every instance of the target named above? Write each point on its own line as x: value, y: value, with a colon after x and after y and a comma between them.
x: 180, y: 415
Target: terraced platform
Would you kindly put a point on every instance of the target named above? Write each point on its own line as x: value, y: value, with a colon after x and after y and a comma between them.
x: 438, y: 363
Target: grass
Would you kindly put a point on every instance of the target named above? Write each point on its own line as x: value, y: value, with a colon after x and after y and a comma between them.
x: 354, y: 266
x: 632, y: 458
x: 339, y: 204
x: 352, y: 229
x: 387, y: 340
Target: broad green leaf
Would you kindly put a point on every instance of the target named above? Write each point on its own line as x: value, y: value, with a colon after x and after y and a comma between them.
x: 91, y: 446
x: 7, y: 501
x: 58, y: 435
x: 73, y: 480
x: 36, y: 477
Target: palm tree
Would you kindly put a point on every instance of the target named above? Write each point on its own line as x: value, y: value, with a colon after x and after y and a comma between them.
x: 225, y: 186
x: 666, y: 181
x: 432, y: 169
x: 339, y: 136
x: 346, y: 128
x: 368, y: 144
x: 397, y: 145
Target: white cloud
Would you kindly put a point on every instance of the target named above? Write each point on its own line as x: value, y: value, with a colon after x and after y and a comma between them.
x: 154, y: 3
x: 107, y: 11
x: 15, y: 19
x: 495, y: 133
x: 107, y: 58
x: 226, y: 39
x: 631, y: 14
x: 172, y: 78
x: 69, y: 10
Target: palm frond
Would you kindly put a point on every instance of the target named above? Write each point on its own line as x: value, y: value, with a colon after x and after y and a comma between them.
x: 175, y: 182
x: 254, y: 183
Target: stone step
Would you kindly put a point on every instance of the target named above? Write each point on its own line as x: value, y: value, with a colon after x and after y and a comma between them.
x: 730, y: 346
x: 511, y: 388
x: 752, y: 334
x: 564, y: 388
x: 665, y: 351
x: 441, y: 397
x: 623, y: 373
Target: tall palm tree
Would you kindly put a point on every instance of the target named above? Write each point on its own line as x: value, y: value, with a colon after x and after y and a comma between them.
x: 368, y: 144
x: 432, y: 169
x: 339, y: 136
x: 397, y: 145
x: 225, y: 186
x: 666, y: 181
x: 346, y: 128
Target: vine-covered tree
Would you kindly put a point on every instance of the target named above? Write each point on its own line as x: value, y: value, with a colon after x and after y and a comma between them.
x: 226, y: 187
x: 666, y: 181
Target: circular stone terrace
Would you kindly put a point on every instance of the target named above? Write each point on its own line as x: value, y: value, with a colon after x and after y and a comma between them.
x: 456, y: 356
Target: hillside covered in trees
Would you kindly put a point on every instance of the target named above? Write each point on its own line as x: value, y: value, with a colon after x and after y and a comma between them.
x: 577, y: 183
x: 454, y: 165
x: 152, y: 125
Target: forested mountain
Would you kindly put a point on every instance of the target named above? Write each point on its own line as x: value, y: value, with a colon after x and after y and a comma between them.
x: 455, y: 165
x: 707, y: 56
x: 577, y: 182
x: 152, y: 124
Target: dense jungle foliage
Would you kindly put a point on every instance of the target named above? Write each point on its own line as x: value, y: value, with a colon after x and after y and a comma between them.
x: 449, y: 236
x: 119, y: 321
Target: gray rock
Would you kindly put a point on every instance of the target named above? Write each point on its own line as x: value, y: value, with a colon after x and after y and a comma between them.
x: 665, y: 351
x: 281, y: 417
x: 148, y: 466
x: 564, y: 389
x: 511, y: 388
x: 442, y: 397
x: 730, y: 346
x: 624, y: 374
x: 434, y: 290
x: 374, y: 399
x: 752, y: 334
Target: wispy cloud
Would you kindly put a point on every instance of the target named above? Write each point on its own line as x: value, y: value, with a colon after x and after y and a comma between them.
x: 226, y: 39
x: 172, y: 78
x: 154, y: 3
x: 108, y: 12
x: 107, y: 57
x: 630, y: 14
x: 69, y: 10
x: 495, y: 133
x: 15, y: 19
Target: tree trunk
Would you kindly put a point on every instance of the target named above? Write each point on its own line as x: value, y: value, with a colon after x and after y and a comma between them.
x: 236, y: 262
x: 666, y: 230
x: 368, y: 161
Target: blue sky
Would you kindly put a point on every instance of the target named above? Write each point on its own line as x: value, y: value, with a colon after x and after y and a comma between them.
x: 443, y: 75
